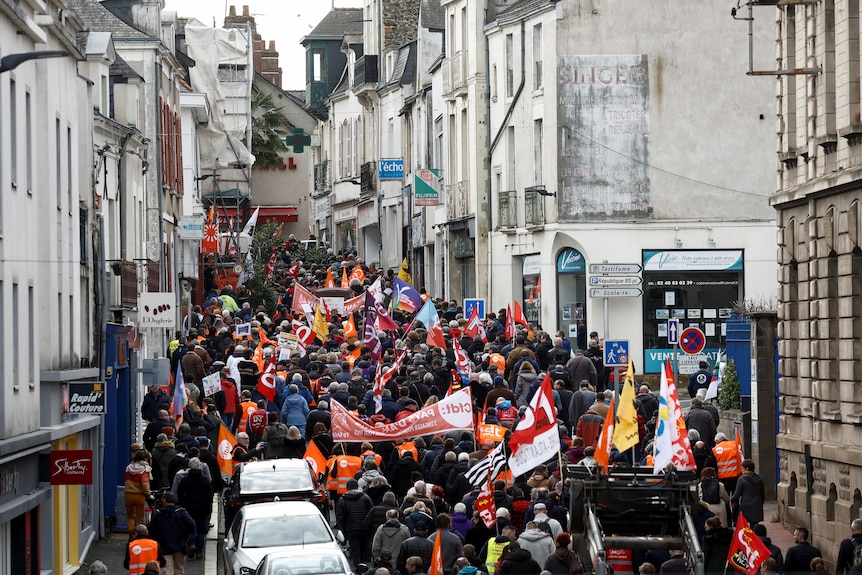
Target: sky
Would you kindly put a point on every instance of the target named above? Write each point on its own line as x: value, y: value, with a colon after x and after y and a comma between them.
x: 285, y: 21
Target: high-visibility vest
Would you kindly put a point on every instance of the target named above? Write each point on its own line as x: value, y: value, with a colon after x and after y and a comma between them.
x: 408, y: 446
x: 495, y: 549
x: 141, y: 552
x: 727, y: 458
x: 345, y: 468
x: 248, y: 407
x: 377, y: 457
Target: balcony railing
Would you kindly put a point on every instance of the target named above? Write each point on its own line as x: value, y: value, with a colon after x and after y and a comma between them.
x: 321, y: 178
x: 367, y: 178
x: 454, y: 72
x: 534, y: 206
x: 458, y: 200
x: 507, y: 215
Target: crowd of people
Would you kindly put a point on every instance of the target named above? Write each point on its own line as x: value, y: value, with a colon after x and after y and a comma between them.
x: 392, y: 499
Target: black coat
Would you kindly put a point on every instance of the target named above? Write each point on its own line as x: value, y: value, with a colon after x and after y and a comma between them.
x: 351, y: 511
x: 401, y: 475
x: 196, y: 494
x: 519, y: 562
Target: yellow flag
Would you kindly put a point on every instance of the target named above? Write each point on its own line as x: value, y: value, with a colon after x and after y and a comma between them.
x: 626, y: 429
x: 404, y: 273
x: 319, y: 327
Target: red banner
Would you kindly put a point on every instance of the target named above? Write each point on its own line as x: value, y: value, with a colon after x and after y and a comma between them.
x: 485, y: 506
x: 72, y: 467
x: 452, y: 413
x: 353, y: 304
x: 302, y: 296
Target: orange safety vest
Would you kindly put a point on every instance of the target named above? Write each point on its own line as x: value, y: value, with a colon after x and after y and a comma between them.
x: 247, y: 407
x: 727, y: 458
x: 141, y: 552
x: 345, y: 468
x: 377, y: 457
x: 498, y: 360
x: 408, y: 446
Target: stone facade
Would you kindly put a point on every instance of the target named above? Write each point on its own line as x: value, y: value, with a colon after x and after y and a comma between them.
x: 820, y: 269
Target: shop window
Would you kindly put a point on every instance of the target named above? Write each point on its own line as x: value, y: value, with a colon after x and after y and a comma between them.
x: 572, y: 296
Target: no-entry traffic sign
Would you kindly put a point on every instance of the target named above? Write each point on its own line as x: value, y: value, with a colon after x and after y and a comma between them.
x: 692, y: 341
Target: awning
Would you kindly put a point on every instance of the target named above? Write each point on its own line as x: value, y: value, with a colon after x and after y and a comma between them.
x: 282, y: 214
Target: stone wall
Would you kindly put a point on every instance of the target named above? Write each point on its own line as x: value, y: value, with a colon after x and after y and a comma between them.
x: 400, y: 23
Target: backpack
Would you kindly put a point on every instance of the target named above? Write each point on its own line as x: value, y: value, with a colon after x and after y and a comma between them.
x: 277, y: 434
x: 709, y: 490
x: 856, y: 556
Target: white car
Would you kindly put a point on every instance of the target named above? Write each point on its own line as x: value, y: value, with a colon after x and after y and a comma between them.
x: 305, y: 562
x: 261, y: 528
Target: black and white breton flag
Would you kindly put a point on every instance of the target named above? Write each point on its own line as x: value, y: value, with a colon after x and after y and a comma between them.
x: 493, y: 462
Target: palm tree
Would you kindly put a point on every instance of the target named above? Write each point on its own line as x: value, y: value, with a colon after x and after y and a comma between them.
x: 268, y: 130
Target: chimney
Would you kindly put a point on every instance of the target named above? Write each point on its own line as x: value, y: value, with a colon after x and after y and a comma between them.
x: 232, y: 11
x: 245, y: 10
x: 272, y: 45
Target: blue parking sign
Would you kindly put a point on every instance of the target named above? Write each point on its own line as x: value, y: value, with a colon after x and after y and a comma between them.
x: 616, y: 352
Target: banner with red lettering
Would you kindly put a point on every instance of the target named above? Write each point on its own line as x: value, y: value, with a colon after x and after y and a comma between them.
x: 302, y: 296
x: 353, y: 304
x: 451, y: 413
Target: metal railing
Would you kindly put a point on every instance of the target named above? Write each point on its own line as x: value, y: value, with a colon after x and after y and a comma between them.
x: 534, y: 206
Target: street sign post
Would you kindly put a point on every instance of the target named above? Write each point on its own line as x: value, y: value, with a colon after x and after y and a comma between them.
x: 616, y: 292
x: 615, y: 269
x: 692, y: 341
x: 616, y: 280
x: 616, y: 353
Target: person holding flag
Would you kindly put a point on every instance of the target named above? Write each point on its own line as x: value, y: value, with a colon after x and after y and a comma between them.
x: 747, y: 551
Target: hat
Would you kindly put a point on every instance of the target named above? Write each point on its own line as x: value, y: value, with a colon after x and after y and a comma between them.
x: 352, y: 484
x: 539, y: 507
x: 498, y: 380
x: 421, y: 526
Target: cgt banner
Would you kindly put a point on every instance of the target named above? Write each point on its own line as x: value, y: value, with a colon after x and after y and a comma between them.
x: 451, y: 413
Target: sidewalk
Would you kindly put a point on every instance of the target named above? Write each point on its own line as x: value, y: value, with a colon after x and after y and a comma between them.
x: 111, y: 551
x: 781, y: 536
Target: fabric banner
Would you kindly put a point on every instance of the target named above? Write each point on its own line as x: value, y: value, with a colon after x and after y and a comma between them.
x: 224, y: 450
x: 747, y: 551
x: 489, y: 431
x: 353, y: 304
x: 486, y: 506
x: 302, y: 296
x: 536, y: 438
x: 451, y: 413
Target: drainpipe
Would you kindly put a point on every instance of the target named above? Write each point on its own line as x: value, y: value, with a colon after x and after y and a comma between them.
x: 496, y: 140
x: 159, y: 176
x: 121, y: 184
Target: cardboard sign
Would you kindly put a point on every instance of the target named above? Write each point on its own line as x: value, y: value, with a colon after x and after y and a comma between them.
x: 212, y: 384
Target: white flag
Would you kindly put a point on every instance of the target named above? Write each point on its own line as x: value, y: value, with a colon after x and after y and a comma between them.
x: 252, y: 221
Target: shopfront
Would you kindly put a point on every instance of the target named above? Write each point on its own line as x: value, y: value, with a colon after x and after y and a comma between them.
x: 695, y: 287
x: 572, y: 297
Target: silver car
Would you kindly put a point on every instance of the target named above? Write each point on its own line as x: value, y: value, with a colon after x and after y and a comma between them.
x: 304, y: 562
x: 261, y: 528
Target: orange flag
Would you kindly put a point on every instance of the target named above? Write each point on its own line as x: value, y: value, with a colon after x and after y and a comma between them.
x: 350, y: 328
x: 224, y: 449
x: 357, y: 274
x: 437, y: 557
x: 264, y: 340
x: 344, y: 282
x: 330, y: 280
x: 353, y: 356
x: 258, y: 357
x: 603, y: 447
x: 314, y: 457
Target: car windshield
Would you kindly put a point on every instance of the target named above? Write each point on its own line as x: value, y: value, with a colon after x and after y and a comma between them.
x: 285, y: 530
x: 270, y: 480
x: 301, y: 564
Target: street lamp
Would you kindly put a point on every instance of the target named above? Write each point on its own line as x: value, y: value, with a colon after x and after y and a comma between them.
x: 12, y: 61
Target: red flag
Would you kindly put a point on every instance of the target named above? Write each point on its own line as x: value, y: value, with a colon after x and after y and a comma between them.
x: 270, y: 265
x: 739, y: 453
x: 462, y: 360
x: 747, y: 552
x: 294, y: 270
x: 474, y: 325
x: 209, y: 245
x: 369, y: 335
x: 384, y: 320
x: 540, y: 417
x: 519, y: 314
x: 436, y: 567
x: 266, y: 382
x: 603, y: 447
x: 510, y: 323
x: 485, y: 504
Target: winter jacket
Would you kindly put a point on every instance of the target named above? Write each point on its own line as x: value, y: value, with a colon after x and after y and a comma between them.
x: 519, y: 562
x: 171, y: 525
x: 716, y: 544
x: 351, y: 510
x: 163, y: 452
x: 196, y: 494
x: 294, y: 411
x: 153, y: 403
x: 418, y: 546
x: 461, y: 523
x: 377, y: 517
x: 137, y: 479
x: 539, y: 543
x: 589, y: 427
x: 414, y: 517
x: 451, y: 546
x: 389, y: 537
x: 563, y: 561
x: 749, y: 496
x: 524, y: 382
x: 700, y: 419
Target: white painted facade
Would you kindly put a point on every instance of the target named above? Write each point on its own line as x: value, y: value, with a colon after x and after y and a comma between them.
x: 697, y: 175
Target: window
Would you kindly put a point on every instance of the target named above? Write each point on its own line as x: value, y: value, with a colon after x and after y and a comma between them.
x: 31, y: 339
x: 13, y: 132
x: 510, y: 70
x: 16, y: 347
x: 537, y: 57
x: 69, y: 166
x: 58, y: 163
x: 538, y: 152
x: 493, y: 83
x: 510, y: 159
x: 317, y: 74
x: 438, y: 144
x: 28, y: 140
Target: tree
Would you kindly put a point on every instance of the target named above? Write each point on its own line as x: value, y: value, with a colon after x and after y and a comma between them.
x: 268, y: 130
x: 263, y: 242
x: 728, y: 395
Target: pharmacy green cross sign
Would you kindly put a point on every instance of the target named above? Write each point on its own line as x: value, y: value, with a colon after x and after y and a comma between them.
x: 298, y: 139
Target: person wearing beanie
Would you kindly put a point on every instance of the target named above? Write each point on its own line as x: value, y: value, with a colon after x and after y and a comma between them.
x: 350, y: 513
x: 195, y: 493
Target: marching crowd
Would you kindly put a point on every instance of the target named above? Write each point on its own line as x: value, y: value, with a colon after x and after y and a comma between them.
x: 392, y: 499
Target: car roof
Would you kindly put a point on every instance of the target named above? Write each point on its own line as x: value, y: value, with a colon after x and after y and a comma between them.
x: 276, y: 508
x: 274, y: 465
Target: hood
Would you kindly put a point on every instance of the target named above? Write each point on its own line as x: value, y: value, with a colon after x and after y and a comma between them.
x: 370, y: 474
x: 136, y: 468
x: 534, y: 534
x: 563, y: 554
x: 392, y: 527
x: 527, y: 375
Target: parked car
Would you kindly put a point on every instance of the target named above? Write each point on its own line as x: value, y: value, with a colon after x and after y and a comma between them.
x: 304, y: 562
x: 272, y: 480
x: 295, y: 526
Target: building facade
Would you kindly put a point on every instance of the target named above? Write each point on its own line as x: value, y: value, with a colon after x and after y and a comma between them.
x: 599, y: 154
x: 818, y: 207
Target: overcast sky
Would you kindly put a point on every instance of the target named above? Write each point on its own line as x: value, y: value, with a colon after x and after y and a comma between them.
x: 285, y: 21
